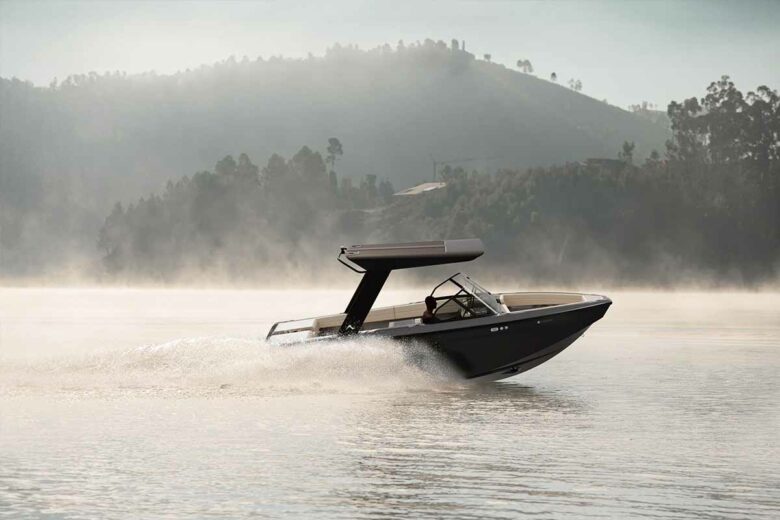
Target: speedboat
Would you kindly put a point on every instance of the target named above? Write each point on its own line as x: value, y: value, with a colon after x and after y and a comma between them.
x: 482, y: 334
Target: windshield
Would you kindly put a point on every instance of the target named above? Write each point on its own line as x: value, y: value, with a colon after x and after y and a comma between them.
x: 470, y: 299
x: 473, y: 288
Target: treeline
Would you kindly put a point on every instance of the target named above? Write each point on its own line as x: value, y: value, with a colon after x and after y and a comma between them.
x: 239, y: 218
x: 659, y: 223
x: 707, y: 211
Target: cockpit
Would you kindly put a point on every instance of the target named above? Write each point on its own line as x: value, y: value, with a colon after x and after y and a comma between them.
x: 459, y: 298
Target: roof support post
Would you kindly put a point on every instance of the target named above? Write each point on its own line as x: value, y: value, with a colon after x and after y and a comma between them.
x: 362, y: 301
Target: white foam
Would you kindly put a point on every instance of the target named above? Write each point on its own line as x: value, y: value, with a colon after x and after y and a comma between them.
x: 215, y: 366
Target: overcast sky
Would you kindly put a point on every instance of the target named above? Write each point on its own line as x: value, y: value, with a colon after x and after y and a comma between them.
x: 624, y: 51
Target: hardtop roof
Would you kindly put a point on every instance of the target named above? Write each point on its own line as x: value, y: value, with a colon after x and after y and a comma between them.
x: 387, y: 257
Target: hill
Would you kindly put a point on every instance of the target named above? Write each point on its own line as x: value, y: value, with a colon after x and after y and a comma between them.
x: 70, y: 150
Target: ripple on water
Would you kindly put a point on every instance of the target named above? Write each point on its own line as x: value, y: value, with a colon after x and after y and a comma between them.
x: 667, y: 408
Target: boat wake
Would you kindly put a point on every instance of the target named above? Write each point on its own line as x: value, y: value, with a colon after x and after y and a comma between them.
x: 203, y: 367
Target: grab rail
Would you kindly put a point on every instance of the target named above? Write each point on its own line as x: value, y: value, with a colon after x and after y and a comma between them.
x: 351, y: 265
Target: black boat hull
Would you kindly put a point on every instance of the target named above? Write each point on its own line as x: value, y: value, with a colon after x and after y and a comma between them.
x: 499, y: 347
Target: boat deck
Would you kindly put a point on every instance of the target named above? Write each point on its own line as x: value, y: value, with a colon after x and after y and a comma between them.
x: 410, y: 314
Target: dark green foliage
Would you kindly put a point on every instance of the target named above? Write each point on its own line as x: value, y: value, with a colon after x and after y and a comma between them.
x: 627, y: 152
x: 526, y: 66
x: 334, y: 151
x: 713, y: 209
x: 725, y: 127
x: 237, y: 220
x: 661, y: 223
x: 710, y: 211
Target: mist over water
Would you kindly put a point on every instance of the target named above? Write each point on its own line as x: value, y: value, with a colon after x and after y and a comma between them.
x: 160, y: 403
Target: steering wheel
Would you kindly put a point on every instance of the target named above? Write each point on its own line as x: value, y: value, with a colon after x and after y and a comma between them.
x: 463, y: 311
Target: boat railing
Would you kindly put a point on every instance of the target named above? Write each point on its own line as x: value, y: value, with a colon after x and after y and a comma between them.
x: 291, y: 326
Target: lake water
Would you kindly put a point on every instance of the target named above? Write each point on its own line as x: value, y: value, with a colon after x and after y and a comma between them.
x: 167, y: 404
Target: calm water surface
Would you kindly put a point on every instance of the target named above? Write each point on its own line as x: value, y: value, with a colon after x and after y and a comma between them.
x: 166, y: 404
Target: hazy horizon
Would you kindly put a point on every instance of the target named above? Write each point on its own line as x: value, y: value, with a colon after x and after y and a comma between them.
x: 636, y: 44
x: 243, y: 166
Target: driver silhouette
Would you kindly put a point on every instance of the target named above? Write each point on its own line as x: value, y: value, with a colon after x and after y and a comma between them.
x: 430, y: 306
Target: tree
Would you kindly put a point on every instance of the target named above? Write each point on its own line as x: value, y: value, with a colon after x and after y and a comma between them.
x: 333, y: 182
x: 687, y: 143
x: 370, y: 189
x: 226, y: 166
x: 334, y: 151
x: 346, y: 189
x: 725, y: 121
x: 763, y: 126
x: 653, y: 160
x: 275, y: 172
x: 487, y: 57
x: 246, y: 170
x: 309, y: 165
x: 525, y: 66
x: 641, y: 107
x: 111, y: 236
x: 386, y: 191
x: 627, y: 153
x: 554, y: 77
x: 725, y: 127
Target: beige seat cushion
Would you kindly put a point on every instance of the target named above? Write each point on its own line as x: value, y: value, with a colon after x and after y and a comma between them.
x: 528, y: 299
x: 395, y: 313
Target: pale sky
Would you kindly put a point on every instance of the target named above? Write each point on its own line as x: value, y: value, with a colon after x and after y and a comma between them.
x: 624, y: 51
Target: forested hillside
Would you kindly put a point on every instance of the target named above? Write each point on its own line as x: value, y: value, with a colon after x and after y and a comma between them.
x: 68, y: 152
x: 707, y: 211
